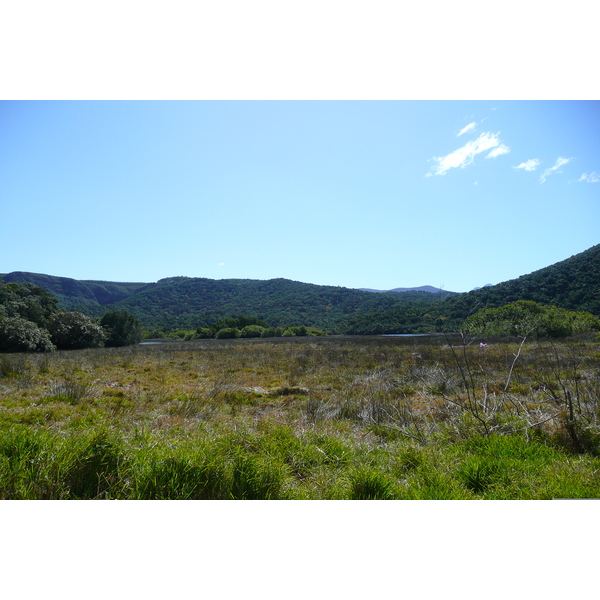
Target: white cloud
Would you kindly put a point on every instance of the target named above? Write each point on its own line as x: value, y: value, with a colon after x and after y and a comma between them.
x: 593, y: 177
x: 499, y: 151
x: 529, y: 165
x: 469, y: 127
x: 560, y: 161
x: 466, y: 154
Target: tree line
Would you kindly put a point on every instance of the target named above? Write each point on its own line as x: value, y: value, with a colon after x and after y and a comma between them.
x: 242, y: 326
x: 31, y: 321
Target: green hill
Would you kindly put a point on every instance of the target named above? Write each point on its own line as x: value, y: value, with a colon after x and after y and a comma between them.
x: 187, y: 303
x: 573, y: 284
x: 192, y: 302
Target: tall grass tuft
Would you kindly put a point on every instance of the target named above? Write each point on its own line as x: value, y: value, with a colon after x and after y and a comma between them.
x: 71, y: 391
x: 26, y: 464
x: 13, y: 366
x: 256, y: 479
x: 370, y: 484
x: 477, y: 474
x: 182, y: 477
x: 91, y: 467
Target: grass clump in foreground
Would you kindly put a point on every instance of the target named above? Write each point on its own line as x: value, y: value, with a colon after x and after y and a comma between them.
x: 327, y: 418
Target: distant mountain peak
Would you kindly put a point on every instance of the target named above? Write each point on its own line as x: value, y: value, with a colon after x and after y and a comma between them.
x: 424, y: 288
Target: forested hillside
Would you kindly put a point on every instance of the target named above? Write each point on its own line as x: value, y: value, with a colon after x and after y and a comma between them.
x: 573, y: 284
x: 188, y: 303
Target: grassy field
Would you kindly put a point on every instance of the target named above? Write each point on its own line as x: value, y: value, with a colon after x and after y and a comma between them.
x: 304, y: 418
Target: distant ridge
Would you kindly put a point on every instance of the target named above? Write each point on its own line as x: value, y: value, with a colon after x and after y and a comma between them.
x: 186, y: 302
x: 424, y: 288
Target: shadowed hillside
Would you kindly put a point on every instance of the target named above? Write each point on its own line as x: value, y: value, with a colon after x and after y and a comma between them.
x: 72, y: 294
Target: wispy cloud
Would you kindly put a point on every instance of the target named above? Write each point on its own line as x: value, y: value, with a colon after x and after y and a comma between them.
x: 529, y: 165
x: 591, y: 178
x: 499, y: 151
x: 466, y: 154
x: 560, y: 161
x: 469, y: 127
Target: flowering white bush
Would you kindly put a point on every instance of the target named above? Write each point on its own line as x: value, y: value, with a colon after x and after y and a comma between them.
x: 20, y: 335
x: 73, y: 330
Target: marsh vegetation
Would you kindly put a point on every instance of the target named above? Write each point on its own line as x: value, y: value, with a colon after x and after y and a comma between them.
x: 304, y: 418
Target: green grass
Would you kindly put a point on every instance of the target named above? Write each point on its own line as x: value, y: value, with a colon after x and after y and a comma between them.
x: 364, y: 419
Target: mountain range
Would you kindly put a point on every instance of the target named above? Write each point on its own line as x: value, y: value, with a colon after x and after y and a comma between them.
x: 186, y: 302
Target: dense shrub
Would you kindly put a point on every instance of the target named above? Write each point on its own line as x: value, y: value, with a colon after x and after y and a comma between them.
x: 252, y: 331
x: 73, y: 330
x: 228, y: 333
x: 272, y: 332
x: 300, y: 331
x: 204, y: 333
x: 122, y: 328
x: 525, y: 318
x: 19, y: 335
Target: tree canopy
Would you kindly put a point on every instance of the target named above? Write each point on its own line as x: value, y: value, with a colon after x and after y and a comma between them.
x: 31, y: 321
x: 122, y: 328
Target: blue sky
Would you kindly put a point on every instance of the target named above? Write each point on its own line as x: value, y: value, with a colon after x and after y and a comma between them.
x: 358, y: 194
x: 377, y: 194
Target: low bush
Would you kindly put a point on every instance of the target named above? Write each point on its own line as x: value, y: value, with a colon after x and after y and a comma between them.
x: 204, y: 333
x: 252, y: 331
x: 228, y: 333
